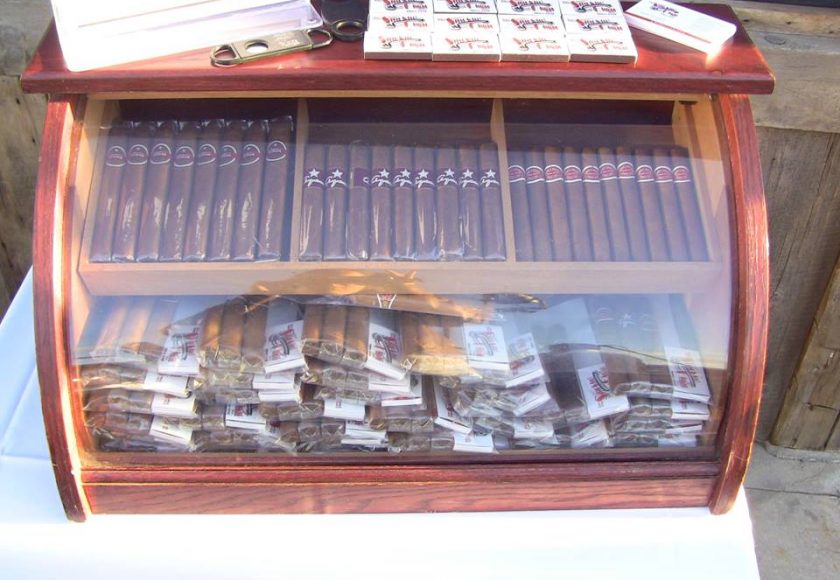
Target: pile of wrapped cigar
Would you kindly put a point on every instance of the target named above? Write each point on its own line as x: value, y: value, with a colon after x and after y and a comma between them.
x: 605, y: 205
x: 383, y: 202
x: 172, y: 191
x: 319, y: 374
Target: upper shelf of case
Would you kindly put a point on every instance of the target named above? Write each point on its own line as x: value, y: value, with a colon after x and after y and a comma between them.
x: 663, y: 67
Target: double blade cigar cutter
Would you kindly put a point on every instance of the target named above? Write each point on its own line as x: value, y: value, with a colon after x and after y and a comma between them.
x: 234, y: 53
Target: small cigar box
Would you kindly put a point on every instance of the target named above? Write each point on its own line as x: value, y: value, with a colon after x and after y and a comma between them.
x: 466, y: 45
x: 596, y: 25
x: 478, y: 23
x: 407, y: 22
x: 680, y: 24
x: 530, y: 7
x: 534, y: 46
x: 465, y: 6
x: 602, y: 48
x: 398, y: 45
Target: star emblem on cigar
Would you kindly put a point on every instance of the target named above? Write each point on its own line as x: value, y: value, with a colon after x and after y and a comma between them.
x: 312, y: 177
x: 384, y: 174
x: 490, y: 174
x: 467, y: 174
x: 337, y: 174
x: 489, y: 178
x: 449, y: 173
x: 422, y: 174
x: 314, y: 173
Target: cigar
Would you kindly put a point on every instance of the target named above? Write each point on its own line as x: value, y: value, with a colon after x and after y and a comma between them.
x: 519, y: 203
x: 450, y: 246
x: 312, y: 204
x: 233, y: 329
x: 598, y: 228
x: 492, y: 216
x: 108, y: 194
x: 134, y: 327
x: 356, y: 338
x: 178, y: 198
x: 538, y: 205
x: 156, y: 329
x: 409, y: 323
x: 211, y: 331
x: 558, y: 211
x: 403, y: 192
x: 206, y: 165
x: 224, y: 202
x: 154, y: 196
x: 632, y: 203
x: 332, y: 335
x: 127, y: 225
x: 670, y: 204
x: 441, y: 353
x: 578, y: 212
x: 381, y: 204
x: 253, y: 339
x: 335, y: 206
x: 271, y: 241
x: 470, y: 202
x: 249, y: 192
x: 619, y: 240
x: 654, y: 223
x: 425, y: 217
x: 313, y: 317
x: 358, y: 204
x: 689, y: 204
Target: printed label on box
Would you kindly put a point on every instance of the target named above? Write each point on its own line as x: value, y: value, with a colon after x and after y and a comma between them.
x: 597, y: 393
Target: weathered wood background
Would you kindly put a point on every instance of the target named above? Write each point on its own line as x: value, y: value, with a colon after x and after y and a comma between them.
x: 799, y: 134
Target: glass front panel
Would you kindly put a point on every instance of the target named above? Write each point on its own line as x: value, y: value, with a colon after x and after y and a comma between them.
x: 403, y: 277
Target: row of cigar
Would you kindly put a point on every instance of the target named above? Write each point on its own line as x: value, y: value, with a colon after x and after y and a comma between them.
x: 172, y: 191
x: 419, y: 382
x: 378, y: 202
x: 605, y: 204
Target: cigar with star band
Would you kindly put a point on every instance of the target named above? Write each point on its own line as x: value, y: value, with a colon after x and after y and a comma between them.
x: 403, y: 194
x: 335, y: 203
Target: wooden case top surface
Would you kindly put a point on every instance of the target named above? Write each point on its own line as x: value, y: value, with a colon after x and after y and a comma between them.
x: 663, y: 67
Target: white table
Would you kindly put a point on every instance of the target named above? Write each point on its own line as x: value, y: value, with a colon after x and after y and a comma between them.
x: 36, y: 541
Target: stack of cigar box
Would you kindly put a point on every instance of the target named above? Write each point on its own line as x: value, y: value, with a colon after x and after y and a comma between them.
x: 398, y: 373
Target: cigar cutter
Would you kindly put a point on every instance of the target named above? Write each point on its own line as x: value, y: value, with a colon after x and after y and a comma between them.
x: 234, y: 53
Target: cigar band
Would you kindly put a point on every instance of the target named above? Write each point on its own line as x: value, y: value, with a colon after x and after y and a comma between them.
x: 681, y: 174
x: 360, y: 177
x: 626, y: 170
x: 644, y: 173
x: 138, y: 154
x: 206, y: 154
x: 313, y: 177
x: 553, y: 173
x: 251, y: 153
x: 161, y: 154
x: 591, y: 174
x: 608, y: 171
x: 572, y: 174
x: 386, y: 300
x: 467, y: 178
x: 488, y: 178
x: 336, y: 178
x: 516, y: 173
x: 584, y: 6
x: 402, y: 177
x: 381, y: 178
x: 230, y: 154
x: 422, y: 179
x: 663, y: 174
x: 184, y: 156
x: 535, y: 6
x: 534, y: 174
x: 116, y: 156
x: 276, y: 151
x: 447, y: 177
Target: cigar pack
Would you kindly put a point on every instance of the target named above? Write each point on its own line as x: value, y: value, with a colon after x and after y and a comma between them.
x: 412, y: 398
x: 280, y: 396
x: 393, y: 7
x: 533, y: 46
x: 531, y: 399
x: 180, y: 351
x: 593, y: 434
x: 680, y: 24
x: 364, y: 431
x: 531, y: 429
x: 586, y: 24
x: 167, y: 384
x: 277, y: 381
x: 602, y: 48
x: 445, y: 414
x: 478, y: 23
x: 529, y: 7
x: 283, y: 336
x: 597, y: 393
x: 171, y: 430
x: 244, y: 417
x: 465, y: 46
x: 169, y: 406
x: 344, y: 409
x: 383, y: 384
x: 464, y: 6
x: 486, y: 348
x: 545, y: 23
x: 398, y: 45
x: 473, y: 443
x: 401, y: 22
x: 689, y: 411
x: 687, y: 374
x: 525, y: 363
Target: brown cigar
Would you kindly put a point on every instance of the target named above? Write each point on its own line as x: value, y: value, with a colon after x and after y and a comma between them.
x: 381, y: 204
x: 131, y: 194
x: 598, y: 228
x: 689, y: 205
x: 210, y: 333
x: 519, y: 202
x: 134, y: 327
x: 492, y: 216
x: 358, y: 206
x: 561, y: 244
x: 159, y: 321
x: 578, y: 213
x: 403, y: 193
x: 273, y: 230
x: 619, y: 241
x: 538, y: 205
x: 206, y: 165
x: 450, y: 245
x: 335, y: 205
x: 356, y: 337
x: 670, y: 204
x: 249, y: 196
x: 233, y: 329
x: 313, y: 317
x: 654, y: 223
x: 632, y: 202
x: 178, y: 199
x: 408, y: 324
x: 312, y: 204
x: 224, y: 202
x: 425, y: 218
x: 333, y: 331
x: 253, y: 340
x: 154, y: 196
x: 108, y: 194
x: 470, y: 202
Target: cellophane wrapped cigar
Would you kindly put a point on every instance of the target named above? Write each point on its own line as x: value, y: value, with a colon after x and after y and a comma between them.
x: 576, y: 197
x: 331, y: 375
x: 233, y: 329
x: 425, y: 216
x: 470, y: 202
x: 434, y: 351
x: 210, y: 333
x: 315, y: 431
x: 356, y: 337
x: 449, y: 226
x: 312, y: 204
x: 107, y: 193
x: 222, y: 223
x: 598, y: 226
x: 651, y: 210
x: 619, y: 241
x: 201, y: 204
x: 279, y: 157
x: 358, y: 204
x: 155, y: 188
x: 333, y: 334
x: 284, y: 332
x: 675, y: 229
x: 249, y: 192
x: 313, y: 320
x: 492, y: 215
x: 558, y: 213
x: 519, y: 203
x: 632, y: 203
x: 360, y: 395
x: 538, y: 205
x: 144, y: 402
x: 111, y: 424
x: 253, y: 338
x: 403, y: 194
x: 689, y: 204
x: 176, y: 210
x: 155, y: 334
x: 335, y: 203
x: 309, y: 408
x: 381, y: 204
x: 127, y: 227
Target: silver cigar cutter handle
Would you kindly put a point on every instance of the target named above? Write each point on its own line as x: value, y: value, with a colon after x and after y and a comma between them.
x: 234, y: 53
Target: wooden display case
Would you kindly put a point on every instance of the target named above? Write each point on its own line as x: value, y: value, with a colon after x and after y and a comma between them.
x: 672, y: 98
